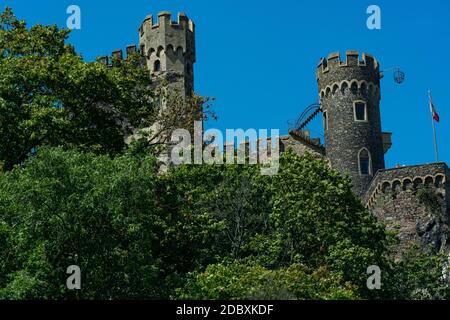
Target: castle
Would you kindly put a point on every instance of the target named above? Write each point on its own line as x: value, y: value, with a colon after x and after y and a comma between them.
x: 413, y: 199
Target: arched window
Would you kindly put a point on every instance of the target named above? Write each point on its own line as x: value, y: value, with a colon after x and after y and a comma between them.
x: 157, y: 66
x: 363, y: 88
x: 354, y: 87
x: 344, y: 86
x: 365, y: 162
x: 360, y: 110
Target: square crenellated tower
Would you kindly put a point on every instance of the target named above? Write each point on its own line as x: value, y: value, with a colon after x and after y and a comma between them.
x: 168, y: 48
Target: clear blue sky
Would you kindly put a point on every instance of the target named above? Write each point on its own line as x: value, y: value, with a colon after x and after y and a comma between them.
x: 258, y: 57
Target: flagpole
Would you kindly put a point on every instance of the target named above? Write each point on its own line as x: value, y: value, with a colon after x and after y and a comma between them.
x: 434, y: 127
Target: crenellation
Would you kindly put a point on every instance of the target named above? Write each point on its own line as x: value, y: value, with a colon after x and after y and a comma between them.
x: 164, y: 21
x: 352, y: 58
x: 414, y: 176
x: 117, y: 54
x: 333, y: 60
x: 130, y: 49
x: 103, y: 60
x: 146, y: 25
x: 366, y: 66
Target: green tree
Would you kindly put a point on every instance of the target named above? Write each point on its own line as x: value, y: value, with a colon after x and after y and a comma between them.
x: 70, y: 208
x: 251, y: 281
x: 215, y: 232
x: 222, y: 209
x: 50, y: 96
x: 418, y: 275
x: 318, y: 221
x: 305, y: 214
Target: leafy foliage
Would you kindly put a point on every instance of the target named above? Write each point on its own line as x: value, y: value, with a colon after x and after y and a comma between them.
x: 49, y: 96
x: 69, y: 208
x: 305, y: 214
x: 239, y: 281
x: 139, y: 234
x: 419, y: 275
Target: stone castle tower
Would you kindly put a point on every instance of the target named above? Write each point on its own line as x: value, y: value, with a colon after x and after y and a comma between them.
x: 350, y: 101
x: 169, y: 50
x: 416, y: 198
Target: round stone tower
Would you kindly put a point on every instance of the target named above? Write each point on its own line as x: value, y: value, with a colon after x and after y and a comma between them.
x: 169, y: 50
x: 350, y: 99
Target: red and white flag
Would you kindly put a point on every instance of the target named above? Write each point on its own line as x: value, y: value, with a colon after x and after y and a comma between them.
x: 434, y: 118
x: 433, y: 111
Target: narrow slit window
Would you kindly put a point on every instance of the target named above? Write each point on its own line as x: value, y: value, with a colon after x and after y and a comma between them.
x: 325, y: 121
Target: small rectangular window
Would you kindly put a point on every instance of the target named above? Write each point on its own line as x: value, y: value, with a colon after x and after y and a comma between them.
x: 325, y: 121
x: 360, y: 111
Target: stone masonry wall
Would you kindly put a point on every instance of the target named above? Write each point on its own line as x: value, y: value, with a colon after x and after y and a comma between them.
x: 415, y: 201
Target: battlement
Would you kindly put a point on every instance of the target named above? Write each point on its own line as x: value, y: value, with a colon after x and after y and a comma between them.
x: 334, y: 61
x: 107, y: 60
x: 165, y: 34
x: 332, y: 71
x: 165, y: 19
x: 407, y: 178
